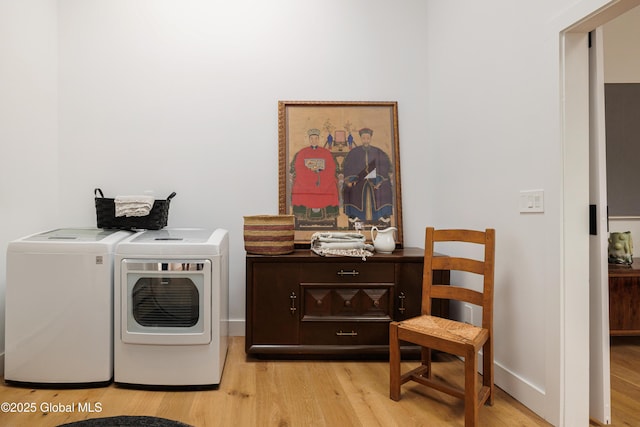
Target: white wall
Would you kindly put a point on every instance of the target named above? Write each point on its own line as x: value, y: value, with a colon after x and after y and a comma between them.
x: 621, y: 48
x: 181, y: 96
x: 28, y: 124
x: 493, y: 129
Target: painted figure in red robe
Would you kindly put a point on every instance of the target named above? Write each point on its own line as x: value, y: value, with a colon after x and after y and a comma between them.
x: 314, y: 193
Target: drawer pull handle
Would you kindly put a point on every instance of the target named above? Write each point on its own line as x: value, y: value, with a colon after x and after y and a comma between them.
x: 293, y: 298
x: 401, y: 297
x: 348, y: 273
x: 347, y: 334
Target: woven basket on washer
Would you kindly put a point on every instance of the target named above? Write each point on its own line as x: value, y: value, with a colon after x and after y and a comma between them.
x: 106, y: 214
x: 269, y: 234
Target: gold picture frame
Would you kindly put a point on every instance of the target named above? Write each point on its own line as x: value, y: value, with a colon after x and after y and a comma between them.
x: 339, y: 167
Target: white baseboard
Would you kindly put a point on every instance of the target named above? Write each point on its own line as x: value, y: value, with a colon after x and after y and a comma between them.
x: 520, y: 389
x: 237, y: 327
x: 517, y: 387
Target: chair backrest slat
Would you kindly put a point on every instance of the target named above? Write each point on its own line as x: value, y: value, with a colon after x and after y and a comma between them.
x: 459, y: 264
x: 457, y: 293
x: 470, y: 236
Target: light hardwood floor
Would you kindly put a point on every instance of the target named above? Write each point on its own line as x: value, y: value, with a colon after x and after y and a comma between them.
x: 298, y: 393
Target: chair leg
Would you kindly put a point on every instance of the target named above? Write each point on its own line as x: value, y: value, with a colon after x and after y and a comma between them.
x: 487, y: 369
x: 470, y: 389
x: 425, y: 357
x: 394, y: 362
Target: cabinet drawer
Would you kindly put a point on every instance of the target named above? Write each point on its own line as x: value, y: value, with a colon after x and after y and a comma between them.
x: 337, y: 300
x: 345, y: 333
x: 349, y: 272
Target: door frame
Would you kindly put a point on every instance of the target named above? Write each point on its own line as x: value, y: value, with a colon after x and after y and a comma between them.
x: 574, y: 127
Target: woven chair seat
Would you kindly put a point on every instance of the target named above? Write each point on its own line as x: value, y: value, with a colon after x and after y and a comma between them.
x: 451, y: 330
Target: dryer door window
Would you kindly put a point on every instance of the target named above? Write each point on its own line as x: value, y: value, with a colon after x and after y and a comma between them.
x: 166, y: 303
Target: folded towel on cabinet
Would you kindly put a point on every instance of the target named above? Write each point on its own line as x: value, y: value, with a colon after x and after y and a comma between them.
x: 341, y: 244
x: 133, y: 205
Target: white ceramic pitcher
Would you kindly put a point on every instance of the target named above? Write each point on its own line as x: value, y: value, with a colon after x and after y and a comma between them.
x: 383, y: 240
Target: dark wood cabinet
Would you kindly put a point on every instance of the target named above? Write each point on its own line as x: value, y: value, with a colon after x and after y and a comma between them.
x: 624, y: 299
x: 305, y: 304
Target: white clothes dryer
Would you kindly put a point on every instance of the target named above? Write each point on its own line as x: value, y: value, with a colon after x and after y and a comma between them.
x: 59, y: 308
x: 171, y: 305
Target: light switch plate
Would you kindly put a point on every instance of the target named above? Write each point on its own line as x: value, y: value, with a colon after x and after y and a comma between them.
x: 531, y: 201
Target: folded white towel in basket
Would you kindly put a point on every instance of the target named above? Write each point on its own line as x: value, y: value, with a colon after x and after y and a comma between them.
x: 133, y: 205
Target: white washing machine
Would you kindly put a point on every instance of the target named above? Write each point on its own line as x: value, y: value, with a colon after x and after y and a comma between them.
x: 171, y: 305
x: 59, y: 308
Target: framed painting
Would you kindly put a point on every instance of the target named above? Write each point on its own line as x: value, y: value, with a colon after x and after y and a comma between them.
x: 339, y: 167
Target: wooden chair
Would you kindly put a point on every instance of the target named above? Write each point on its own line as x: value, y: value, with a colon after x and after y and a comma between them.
x: 449, y: 336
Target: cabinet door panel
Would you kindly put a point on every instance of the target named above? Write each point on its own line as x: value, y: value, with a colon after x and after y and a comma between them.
x: 624, y: 310
x: 276, y: 303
